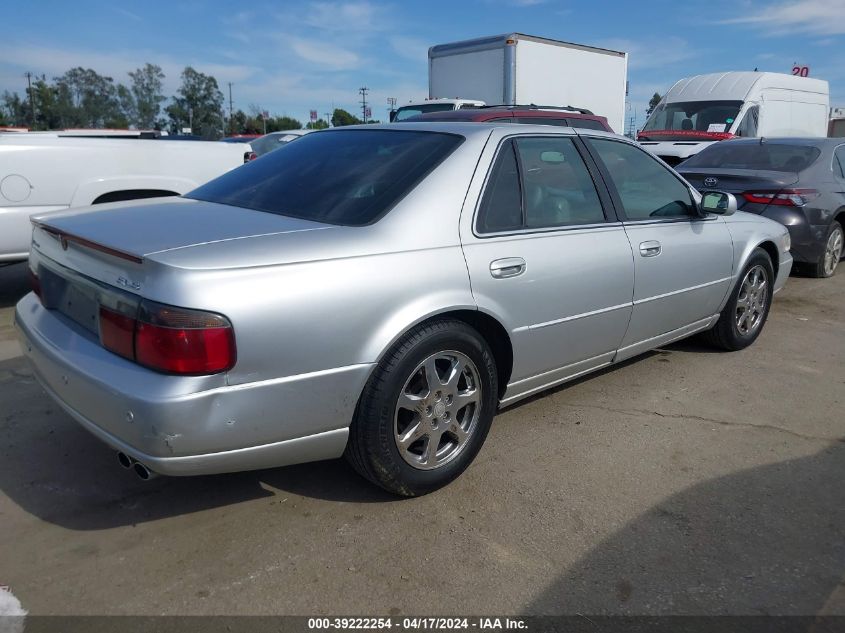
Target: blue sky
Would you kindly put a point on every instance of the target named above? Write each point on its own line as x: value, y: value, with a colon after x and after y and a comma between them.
x: 292, y: 56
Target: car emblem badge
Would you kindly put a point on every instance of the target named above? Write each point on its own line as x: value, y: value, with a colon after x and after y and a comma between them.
x: 711, y: 182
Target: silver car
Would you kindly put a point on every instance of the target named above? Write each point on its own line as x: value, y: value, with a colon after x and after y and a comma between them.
x: 379, y: 292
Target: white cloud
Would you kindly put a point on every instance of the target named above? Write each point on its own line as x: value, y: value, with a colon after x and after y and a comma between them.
x: 411, y: 48
x: 816, y: 17
x: 347, y: 17
x: 652, y: 53
x: 53, y: 61
x: 326, y: 55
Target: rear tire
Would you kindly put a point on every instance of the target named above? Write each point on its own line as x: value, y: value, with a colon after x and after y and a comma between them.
x: 426, y: 410
x: 829, y: 259
x: 745, y: 314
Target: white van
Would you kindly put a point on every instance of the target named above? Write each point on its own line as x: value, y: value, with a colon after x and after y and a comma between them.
x: 698, y: 111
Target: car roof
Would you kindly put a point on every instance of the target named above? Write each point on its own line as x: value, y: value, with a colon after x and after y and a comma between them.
x: 485, y: 114
x: 480, y: 128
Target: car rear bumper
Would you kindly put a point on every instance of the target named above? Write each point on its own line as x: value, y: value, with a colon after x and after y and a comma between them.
x: 158, y: 420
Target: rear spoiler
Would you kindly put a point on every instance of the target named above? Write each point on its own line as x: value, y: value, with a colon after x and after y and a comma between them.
x: 64, y: 238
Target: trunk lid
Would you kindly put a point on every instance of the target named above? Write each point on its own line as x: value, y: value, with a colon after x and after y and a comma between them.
x: 141, y: 228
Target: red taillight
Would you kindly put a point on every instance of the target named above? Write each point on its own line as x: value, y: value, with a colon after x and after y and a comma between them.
x: 180, y: 341
x: 171, y: 340
x: 783, y: 198
x: 181, y: 351
x: 117, y: 332
x: 248, y: 156
x: 34, y: 283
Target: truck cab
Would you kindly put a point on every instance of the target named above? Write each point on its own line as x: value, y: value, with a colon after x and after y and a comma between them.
x: 699, y: 111
x: 432, y: 105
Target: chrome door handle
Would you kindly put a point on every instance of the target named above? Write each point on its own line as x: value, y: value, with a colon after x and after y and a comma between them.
x: 508, y: 267
x: 650, y: 248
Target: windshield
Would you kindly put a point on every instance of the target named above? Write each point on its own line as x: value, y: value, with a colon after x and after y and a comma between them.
x: 347, y: 177
x: 406, y: 112
x: 757, y: 156
x: 691, y: 117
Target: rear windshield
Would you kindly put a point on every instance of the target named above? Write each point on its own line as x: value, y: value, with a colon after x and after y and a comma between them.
x: 763, y: 156
x: 406, y: 112
x: 348, y: 177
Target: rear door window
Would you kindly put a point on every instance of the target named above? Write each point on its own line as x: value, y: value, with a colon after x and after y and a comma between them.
x: 839, y: 161
x: 536, y: 183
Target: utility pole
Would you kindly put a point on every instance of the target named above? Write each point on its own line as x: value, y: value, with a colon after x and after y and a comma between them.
x: 328, y: 118
x: 28, y: 76
x: 231, y: 120
x: 391, y: 101
x: 363, y: 92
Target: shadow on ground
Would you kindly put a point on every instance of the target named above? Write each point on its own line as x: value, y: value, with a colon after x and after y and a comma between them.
x: 14, y: 283
x: 57, y: 471
x: 768, y: 540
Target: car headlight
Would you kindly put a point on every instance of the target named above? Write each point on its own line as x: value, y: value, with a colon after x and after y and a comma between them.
x: 786, y: 242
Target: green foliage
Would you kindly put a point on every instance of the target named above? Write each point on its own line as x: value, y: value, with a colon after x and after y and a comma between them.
x: 319, y: 124
x: 14, y: 110
x: 198, y: 105
x: 142, y: 101
x: 242, y: 123
x: 652, y: 104
x: 341, y: 117
x: 85, y: 99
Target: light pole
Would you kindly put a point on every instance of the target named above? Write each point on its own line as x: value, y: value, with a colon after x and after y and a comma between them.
x: 363, y: 92
x: 28, y: 76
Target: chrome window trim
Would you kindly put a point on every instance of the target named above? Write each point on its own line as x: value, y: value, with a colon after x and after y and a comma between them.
x: 550, y: 229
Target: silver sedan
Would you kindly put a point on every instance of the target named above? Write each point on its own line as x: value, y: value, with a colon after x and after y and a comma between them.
x: 378, y: 292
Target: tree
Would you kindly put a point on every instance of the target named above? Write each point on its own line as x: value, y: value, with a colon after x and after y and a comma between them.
x: 198, y: 105
x: 319, y: 124
x: 652, y: 104
x: 14, y: 109
x: 143, y: 99
x: 275, y: 124
x: 341, y: 117
x: 94, y: 98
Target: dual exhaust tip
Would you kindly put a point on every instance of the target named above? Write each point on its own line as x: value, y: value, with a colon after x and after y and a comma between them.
x: 144, y: 473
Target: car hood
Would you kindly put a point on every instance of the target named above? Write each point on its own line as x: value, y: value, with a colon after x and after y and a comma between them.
x: 146, y: 228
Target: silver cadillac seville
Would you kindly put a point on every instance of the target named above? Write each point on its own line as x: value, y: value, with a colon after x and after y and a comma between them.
x: 378, y: 292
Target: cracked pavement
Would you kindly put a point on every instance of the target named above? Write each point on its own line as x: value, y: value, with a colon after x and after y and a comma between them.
x: 686, y: 481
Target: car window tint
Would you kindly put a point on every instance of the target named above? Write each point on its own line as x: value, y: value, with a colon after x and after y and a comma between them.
x: 346, y: 177
x: 748, y: 125
x: 508, y: 119
x: 587, y: 124
x: 648, y: 190
x: 839, y: 161
x: 542, y: 120
x: 501, y: 205
x: 558, y: 189
x: 768, y: 156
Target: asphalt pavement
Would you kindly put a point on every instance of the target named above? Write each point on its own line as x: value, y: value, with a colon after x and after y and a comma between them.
x: 686, y: 481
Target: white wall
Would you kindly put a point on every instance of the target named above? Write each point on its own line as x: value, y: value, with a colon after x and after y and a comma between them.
x: 561, y: 76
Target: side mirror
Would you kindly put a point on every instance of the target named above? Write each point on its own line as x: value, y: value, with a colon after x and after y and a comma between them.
x: 718, y: 202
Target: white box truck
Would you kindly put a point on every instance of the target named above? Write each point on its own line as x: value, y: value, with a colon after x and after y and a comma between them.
x: 699, y: 111
x: 517, y: 69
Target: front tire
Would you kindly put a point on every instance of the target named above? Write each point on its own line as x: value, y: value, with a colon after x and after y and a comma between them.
x: 829, y: 259
x: 745, y: 314
x: 426, y: 410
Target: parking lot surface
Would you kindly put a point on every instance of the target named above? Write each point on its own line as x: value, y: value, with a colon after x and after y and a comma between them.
x: 687, y: 481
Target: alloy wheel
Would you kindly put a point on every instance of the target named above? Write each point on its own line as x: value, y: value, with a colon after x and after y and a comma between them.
x: 437, y: 410
x: 752, y: 300
x: 832, y: 252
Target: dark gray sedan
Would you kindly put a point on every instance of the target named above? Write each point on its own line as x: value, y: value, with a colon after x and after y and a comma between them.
x: 800, y: 182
